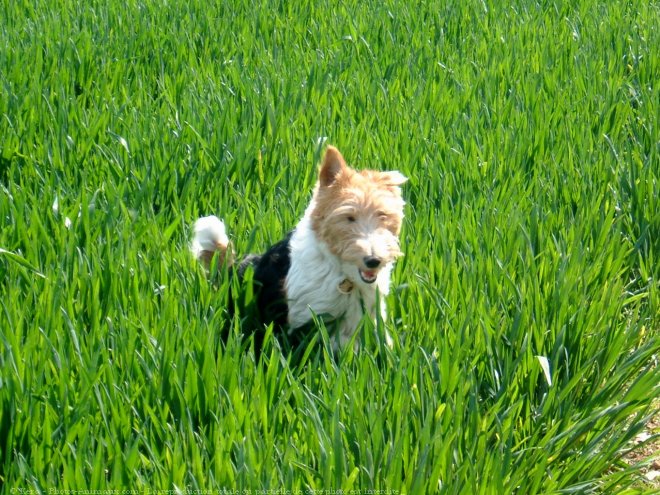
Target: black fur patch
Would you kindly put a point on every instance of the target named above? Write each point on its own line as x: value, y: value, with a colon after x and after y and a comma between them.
x: 270, y: 271
x: 269, y: 278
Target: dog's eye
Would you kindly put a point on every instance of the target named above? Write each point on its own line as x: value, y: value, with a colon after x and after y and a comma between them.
x: 350, y: 218
x: 382, y: 215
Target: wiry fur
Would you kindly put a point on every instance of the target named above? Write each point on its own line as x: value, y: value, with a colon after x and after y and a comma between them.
x: 340, y: 255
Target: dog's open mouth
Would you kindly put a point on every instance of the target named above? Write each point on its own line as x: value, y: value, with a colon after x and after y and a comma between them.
x: 368, y: 276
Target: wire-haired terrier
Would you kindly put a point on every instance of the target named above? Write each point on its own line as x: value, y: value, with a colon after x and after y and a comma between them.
x: 336, y: 262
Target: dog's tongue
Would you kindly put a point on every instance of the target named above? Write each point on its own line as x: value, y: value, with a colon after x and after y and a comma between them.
x: 368, y: 276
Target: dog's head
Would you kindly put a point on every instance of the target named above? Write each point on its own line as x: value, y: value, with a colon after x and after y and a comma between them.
x: 358, y: 215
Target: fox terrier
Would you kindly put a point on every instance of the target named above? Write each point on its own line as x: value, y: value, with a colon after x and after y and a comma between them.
x: 336, y: 262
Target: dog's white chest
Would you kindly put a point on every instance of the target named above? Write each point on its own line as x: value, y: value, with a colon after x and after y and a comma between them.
x: 321, y: 290
x: 328, y: 299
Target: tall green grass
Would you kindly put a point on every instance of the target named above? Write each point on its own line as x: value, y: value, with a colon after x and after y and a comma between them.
x: 529, y: 132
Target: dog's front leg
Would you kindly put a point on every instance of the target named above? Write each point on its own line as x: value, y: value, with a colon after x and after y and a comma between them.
x: 383, y: 319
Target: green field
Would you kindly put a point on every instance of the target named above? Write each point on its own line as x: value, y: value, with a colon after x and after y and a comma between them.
x: 530, y: 134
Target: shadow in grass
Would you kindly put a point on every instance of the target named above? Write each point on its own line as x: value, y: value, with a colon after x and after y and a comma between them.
x: 5, y: 165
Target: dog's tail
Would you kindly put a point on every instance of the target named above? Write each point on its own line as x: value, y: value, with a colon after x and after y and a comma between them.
x: 210, y: 238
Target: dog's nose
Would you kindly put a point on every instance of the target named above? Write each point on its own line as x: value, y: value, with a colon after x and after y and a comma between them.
x: 372, y: 261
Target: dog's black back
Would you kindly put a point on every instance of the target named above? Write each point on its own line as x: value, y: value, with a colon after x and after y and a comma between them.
x: 270, y: 272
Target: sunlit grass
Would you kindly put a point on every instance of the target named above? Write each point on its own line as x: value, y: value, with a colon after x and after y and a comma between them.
x: 529, y: 132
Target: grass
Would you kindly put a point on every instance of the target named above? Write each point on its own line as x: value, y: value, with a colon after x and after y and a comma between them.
x: 529, y: 132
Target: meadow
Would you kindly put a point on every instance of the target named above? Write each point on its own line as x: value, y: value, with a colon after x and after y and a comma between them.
x: 525, y: 312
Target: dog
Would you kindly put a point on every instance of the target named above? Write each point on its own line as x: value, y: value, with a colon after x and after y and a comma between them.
x: 337, y: 261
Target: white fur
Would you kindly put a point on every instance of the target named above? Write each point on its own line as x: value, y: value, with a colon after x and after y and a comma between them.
x: 312, y: 285
x: 210, y: 234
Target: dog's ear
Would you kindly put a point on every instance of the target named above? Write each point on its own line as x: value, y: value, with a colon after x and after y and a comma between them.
x: 394, y: 178
x: 333, y: 165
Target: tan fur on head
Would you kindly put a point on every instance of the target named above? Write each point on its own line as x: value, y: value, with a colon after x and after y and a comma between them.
x: 358, y: 214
